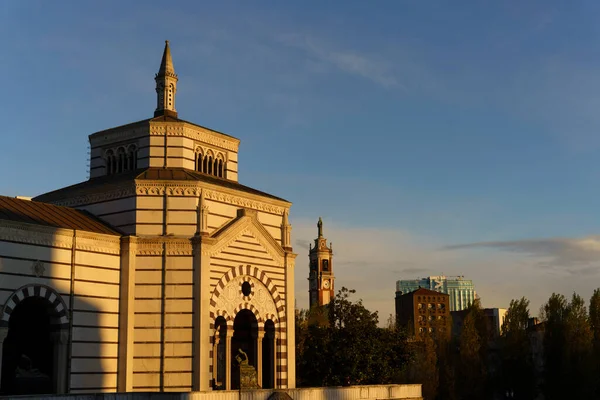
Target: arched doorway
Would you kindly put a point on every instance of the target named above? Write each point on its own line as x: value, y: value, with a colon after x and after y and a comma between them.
x: 268, y: 356
x: 29, y: 356
x: 245, y: 333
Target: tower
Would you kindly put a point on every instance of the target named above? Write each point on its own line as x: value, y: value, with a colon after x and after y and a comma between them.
x: 166, y: 85
x: 321, y: 270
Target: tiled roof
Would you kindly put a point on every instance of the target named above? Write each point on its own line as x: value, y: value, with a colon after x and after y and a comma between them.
x: 34, y: 212
x: 104, y: 183
x: 182, y: 174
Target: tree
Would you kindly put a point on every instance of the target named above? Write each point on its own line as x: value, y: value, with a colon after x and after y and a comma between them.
x: 518, y: 373
x: 554, y: 315
x: 340, y: 344
x: 471, y: 354
x: 579, y: 345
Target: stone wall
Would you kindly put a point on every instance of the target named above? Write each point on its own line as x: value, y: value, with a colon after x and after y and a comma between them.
x: 379, y: 392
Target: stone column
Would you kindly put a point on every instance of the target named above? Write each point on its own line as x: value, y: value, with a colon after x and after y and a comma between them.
x: 60, y: 340
x: 259, y: 355
x: 126, y: 314
x: 201, y: 265
x: 275, y: 372
x: 3, y: 334
x: 228, y: 357
x: 215, y: 357
x: 289, y: 344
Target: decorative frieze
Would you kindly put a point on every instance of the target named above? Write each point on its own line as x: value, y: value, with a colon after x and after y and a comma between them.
x: 196, y: 133
x: 156, y: 247
x: 99, y: 197
x: 242, y: 201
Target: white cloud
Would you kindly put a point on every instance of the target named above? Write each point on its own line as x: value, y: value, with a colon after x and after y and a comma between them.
x: 352, y: 62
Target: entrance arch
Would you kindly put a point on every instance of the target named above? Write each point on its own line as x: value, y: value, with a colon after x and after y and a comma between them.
x: 34, y: 351
x: 245, y: 333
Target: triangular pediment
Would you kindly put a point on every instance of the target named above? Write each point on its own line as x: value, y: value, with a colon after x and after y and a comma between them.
x: 244, y: 225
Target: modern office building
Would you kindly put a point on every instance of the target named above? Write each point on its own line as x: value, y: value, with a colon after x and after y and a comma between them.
x: 461, y: 290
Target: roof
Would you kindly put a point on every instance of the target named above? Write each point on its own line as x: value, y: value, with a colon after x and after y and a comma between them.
x: 160, y: 118
x: 34, y: 212
x: 427, y: 292
x: 104, y: 183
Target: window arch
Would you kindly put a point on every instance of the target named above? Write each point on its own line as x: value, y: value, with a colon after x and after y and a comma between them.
x: 121, y: 159
x: 198, y: 160
x: 109, y: 162
x: 132, y: 157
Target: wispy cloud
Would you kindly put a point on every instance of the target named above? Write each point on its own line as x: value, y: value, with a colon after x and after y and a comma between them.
x: 575, y: 256
x: 348, y: 61
x: 370, y: 260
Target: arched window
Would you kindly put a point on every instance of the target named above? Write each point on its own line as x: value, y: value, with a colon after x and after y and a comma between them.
x: 131, y: 158
x: 108, y: 162
x: 121, y: 160
x: 198, y: 160
x: 210, y: 165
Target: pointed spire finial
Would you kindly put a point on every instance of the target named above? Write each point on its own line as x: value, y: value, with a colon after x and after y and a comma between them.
x: 166, y: 85
x: 166, y: 64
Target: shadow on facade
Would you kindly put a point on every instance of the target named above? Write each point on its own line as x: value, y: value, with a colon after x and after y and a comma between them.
x: 49, y: 334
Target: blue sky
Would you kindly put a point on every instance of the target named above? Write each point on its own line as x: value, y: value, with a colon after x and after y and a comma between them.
x: 409, y: 126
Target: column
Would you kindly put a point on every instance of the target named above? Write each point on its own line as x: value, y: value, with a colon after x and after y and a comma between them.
x: 288, y: 334
x: 259, y: 355
x: 215, y: 357
x: 275, y: 374
x: 228, y: 357
x: 60, y: 340
x: 3, y: 334
x: 126, y: 314
x: 201, y: 265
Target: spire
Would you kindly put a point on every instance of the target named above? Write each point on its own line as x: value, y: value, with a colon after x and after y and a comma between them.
x: 166, y: 85
x: 166, y: 65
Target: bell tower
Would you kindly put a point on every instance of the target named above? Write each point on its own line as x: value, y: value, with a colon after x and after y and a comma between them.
x: 321, y: 270
x: 166, y: 85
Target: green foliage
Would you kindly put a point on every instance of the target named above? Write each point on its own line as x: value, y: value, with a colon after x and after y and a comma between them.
x: 347, y: 347
x: 518, y: 374
x: 471, y: 354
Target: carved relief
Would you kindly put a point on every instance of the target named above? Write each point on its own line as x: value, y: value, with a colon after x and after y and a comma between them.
x: 38, y: 268
x: 232, y: 299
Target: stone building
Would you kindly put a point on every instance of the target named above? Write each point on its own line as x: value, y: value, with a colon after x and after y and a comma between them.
x: 153, y: 273
x: 424, y: 311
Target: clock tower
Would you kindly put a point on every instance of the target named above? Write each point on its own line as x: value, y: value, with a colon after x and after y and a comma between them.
x: 321, y: 270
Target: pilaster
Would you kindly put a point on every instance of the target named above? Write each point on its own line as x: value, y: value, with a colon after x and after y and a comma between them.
x: 201, y: 364
x: 60, y: 341
x: 290, y: 314
x: 229, y: 335
x: 126, y: 314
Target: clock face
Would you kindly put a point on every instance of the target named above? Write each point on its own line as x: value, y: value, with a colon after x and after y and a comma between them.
x: 326, y: 284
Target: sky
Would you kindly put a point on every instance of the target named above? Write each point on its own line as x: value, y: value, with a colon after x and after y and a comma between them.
x: 456, y: 138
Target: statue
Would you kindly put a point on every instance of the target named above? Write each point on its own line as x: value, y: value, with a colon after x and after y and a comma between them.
x: 242, y: 358
x: 320, y: 227
x: 248, y: 375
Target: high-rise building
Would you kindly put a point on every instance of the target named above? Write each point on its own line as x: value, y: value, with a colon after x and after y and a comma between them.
x: 461, y: 290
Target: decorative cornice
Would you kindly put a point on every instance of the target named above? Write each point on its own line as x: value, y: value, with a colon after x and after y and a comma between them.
x: 118, y: 135
x: 36, y: 234
x: 156, y: 247
x: 125, y: 190
x: 159, y: 128
x: 250, y: 225
x: 245, y: 202
x: 108, y: 244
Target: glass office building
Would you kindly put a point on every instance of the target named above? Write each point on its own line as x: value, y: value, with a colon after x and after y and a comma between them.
x: 461, y: 290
